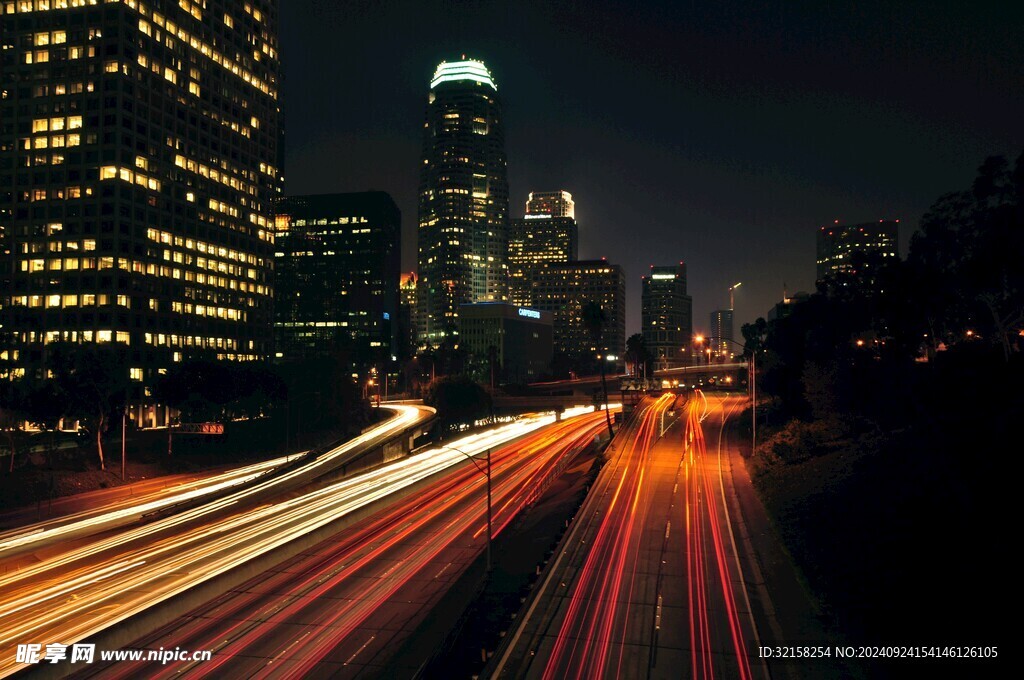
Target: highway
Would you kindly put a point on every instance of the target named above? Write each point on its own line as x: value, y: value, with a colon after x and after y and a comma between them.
x: 93, y: 584
x: 648, y: 582
x: 343, y: 607
x: 111, y: 508
x: 154, y: 497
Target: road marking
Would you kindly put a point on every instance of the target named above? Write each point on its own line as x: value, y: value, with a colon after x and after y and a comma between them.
x: 352, y: 658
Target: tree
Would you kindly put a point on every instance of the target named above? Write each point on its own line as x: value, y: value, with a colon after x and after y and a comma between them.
x: 754, y: 336
x: 458, y: 400
x: 967, y: 253
x: 12, y: 412
x: 637, y: 354
x: 594, y: 321
x: 94, y: 382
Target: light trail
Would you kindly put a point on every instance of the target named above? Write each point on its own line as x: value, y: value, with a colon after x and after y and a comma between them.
x: 407, y: 416
x: 628, y: 590
x: 407, y: 538
x: 705, y: 529
x: 592, y: 635
x: 132, y: 508
x: 56, y: 599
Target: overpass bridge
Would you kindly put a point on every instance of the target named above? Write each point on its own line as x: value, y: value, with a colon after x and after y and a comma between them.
x: 706, y: 375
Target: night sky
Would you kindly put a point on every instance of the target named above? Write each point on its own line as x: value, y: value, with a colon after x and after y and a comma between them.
x: 720, y: 134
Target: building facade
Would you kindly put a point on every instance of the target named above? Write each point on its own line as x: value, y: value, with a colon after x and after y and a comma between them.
x: 784, y: 308
x: 338, y: 264
x: 521, y: 339
x: 139, y: 157
x: 408, y: 316
x: 553, y: 203
x: 667, y: 316
x: 720, y: 336
x: 564, y: 289
x: 533, y: 241
x: 463, y: 198
x: 837, y: 244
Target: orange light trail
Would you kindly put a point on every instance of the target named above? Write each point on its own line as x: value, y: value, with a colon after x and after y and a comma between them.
x: 409, y: 536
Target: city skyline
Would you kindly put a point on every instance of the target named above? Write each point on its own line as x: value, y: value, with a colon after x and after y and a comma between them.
x: 239, y: 438
x: 853, y: 120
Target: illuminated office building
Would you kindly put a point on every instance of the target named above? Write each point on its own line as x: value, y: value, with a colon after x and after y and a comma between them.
x: 553, y: 203
x: 337, y: 269
x: 463, y: 198
x: 547, y: 233
x: 138, y: 162
x: 667, y: 316
x: 520, y: 337
x: 565, y: 288
x: 837, y: 244
x: 720, y: 337
x: 408, y: 316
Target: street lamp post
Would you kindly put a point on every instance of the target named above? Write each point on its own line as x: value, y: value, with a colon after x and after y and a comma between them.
x: 124, y: 431
x: 487, y: 473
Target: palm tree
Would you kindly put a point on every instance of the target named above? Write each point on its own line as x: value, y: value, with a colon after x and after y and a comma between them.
x: 594, y: 320
x: 637, y: 354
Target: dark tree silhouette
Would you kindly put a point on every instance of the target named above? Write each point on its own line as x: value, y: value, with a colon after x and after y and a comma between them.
x: 637, y: 354
x: 93, y: 381
x: 458, y: 400
x: 967, y: 258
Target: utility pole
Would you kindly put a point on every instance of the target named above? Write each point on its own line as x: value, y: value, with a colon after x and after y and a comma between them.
x: 753, y: 401
x: 488, y: 511
x: 124, y: 430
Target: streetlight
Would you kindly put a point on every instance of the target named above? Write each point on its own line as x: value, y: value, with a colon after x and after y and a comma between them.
x: 731, y: 289
x: 698, y: 340
x: 487, y: 473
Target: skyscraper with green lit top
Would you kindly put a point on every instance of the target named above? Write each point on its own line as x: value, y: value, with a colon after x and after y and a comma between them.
x: 463, y: 198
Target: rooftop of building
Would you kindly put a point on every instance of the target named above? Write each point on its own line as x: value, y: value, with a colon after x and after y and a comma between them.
x: 471, y: 70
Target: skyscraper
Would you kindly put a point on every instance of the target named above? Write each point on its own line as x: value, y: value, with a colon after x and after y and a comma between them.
x: 139, y: 159
x: 667, y: 316
x: 408, y: 316
x: 338, y: 261
x: 837, y: 244
x: 565, y: 288
x: 463, y: 198
x: 547, y: 233
x: 553, y: 203
x: 721, y: 334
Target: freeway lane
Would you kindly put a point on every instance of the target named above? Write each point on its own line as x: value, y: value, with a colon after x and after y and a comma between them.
x: 256, y: 481
x: 81, y: 592
x: 647, y: 584
x: 343, y: 608
x: 124, y: 507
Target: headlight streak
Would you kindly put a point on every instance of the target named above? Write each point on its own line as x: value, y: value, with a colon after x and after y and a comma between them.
x: 96, y: 520
x: 174, y: 564
x: 702, y: 503
x: 383, y: 540
x: 591, y: 628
